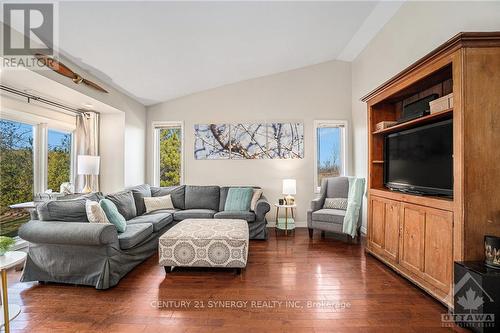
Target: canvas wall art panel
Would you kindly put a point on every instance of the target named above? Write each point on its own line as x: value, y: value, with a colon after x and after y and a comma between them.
x: 285, y: 140
x: 248, y: 141
x: 211, y: 141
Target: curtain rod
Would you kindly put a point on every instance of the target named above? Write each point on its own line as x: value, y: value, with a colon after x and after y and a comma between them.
x: 30, y: 97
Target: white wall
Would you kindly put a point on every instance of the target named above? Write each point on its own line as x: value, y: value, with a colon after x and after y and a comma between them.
x: 317, y: 92
x: 414, y: 31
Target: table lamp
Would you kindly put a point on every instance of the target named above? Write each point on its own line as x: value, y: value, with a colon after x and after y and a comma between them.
x: 289, y: 188
x: 88, y: 165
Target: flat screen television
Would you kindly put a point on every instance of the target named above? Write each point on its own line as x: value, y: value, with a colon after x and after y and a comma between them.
x: 420, y: 160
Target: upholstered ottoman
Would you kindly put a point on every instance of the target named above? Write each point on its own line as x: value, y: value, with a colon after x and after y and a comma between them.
x: 205, y: 243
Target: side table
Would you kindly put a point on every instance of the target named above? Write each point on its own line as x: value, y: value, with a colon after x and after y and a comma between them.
x: 285, y: 224
x: 9, y: 311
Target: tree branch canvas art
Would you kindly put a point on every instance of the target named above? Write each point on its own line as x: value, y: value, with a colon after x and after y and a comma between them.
x: 211, y: 142
x: 249, y: 141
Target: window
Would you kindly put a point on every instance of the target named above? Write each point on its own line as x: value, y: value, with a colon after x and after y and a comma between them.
x: 16, y: 173
x: 58, y: 159
x: 330, y: 140
x: 33, y: 158
x: 168, y: 145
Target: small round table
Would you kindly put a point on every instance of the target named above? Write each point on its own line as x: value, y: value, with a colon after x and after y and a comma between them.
x: 9, y: 311
x: 285, y: 224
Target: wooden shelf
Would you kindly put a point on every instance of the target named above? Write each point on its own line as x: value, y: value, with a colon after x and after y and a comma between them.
x: 415, y: 122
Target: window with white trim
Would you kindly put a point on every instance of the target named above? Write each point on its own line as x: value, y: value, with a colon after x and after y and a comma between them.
x: 330, y: 150
x: 168, y: 154
x: 33, y: 159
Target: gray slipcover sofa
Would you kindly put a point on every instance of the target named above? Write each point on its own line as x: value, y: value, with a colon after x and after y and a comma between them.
x: 65, y: 248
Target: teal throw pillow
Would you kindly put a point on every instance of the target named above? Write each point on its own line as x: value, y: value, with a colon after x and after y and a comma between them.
x: 113, y: 215
x: 239, y: 199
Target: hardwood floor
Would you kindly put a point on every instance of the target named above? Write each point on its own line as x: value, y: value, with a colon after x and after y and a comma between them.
x: 369, y: 296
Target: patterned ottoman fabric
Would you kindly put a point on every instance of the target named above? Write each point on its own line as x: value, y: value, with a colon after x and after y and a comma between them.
x: 205, y: 243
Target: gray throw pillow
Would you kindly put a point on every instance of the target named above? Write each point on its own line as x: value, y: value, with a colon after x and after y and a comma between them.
x: 125, y: 203
x: 335, y: 203
x: 72, y: 210
x: 140, y: 192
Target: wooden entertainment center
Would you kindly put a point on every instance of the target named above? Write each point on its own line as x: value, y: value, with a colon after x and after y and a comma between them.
x: 421, y: 236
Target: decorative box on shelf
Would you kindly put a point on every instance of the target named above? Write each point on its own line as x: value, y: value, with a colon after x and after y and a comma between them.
x: 442, y: 103
x: 384, y: 124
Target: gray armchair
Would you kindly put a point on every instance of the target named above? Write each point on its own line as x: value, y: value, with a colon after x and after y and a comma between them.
x: 329, y: 219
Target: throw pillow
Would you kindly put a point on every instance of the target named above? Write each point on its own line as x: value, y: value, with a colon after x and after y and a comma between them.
x: 257, y: 193
x: 155, y: 203
x: 95, y: 213
x: 113, y: 215
x: 239, y: 199
x: 335, y: 203
x: 125, y: 203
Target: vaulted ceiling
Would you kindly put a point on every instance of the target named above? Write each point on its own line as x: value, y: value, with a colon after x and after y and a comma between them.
x: 156, y: 51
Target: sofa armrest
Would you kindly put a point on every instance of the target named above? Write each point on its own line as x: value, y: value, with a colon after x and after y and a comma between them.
x: 317, y: 204
x: 261, y: 209
x: 71, y: 233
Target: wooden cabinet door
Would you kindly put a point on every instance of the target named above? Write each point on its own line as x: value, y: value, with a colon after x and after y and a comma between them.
x: 377, y: 213
x: 411, y: 251
x: 438, y: 258
x: 391, y: 229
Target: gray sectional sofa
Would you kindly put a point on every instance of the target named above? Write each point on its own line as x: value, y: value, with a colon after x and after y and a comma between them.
x: 66, y: 248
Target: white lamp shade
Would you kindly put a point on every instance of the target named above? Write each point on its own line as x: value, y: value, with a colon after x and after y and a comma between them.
x: 88, y: 165
x: 289, y: 186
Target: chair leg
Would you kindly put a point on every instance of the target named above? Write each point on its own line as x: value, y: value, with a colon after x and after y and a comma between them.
x: 322, y: 234
x: 311, y: 230
x: 168, y: 269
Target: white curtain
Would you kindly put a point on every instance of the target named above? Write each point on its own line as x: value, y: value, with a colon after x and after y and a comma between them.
x: 87, y: 143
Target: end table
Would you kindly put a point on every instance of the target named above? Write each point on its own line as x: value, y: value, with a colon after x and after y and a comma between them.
x: 285, y: 224
x: 9, y: 311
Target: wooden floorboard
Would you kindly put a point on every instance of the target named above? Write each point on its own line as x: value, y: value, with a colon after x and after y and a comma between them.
x: 290, y: 285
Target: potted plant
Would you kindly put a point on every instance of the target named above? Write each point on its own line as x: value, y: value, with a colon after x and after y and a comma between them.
x: 5, y: 244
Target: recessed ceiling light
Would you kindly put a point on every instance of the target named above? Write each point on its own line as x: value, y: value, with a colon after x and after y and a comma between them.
x: 88, y: 105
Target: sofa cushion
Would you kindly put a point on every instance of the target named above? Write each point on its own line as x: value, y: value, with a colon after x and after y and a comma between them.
x: 140, y: 192
x: 135, y: 234
x: 158, y: 220
x: 202, y: 197
x: 125, y: 203
x: 113, y: 214
x: 247, y: 216
x: 337, y: 187
x: 177, y: 194
x: 194, y: 214
x: 72, y: 210
x: 159, y: 211
x: 329, y: 215
x: 238, y: 199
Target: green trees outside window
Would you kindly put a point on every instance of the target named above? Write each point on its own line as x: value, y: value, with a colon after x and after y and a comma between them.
x: 16, y: 174
x: 58, y: 159
x: 170, y: 156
